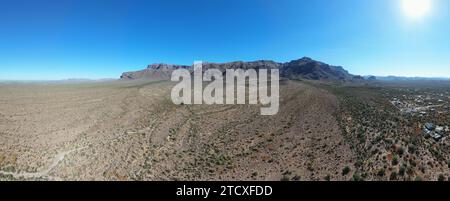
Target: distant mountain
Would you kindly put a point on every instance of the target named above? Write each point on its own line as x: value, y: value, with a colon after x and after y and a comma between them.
x: 304, y: 68
x: 308, y: 68
x: 154, y: 72
x: 400, y: 78
x: 64, y: 81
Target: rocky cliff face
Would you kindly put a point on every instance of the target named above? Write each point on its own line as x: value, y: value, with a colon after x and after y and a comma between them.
x: 304, y: 68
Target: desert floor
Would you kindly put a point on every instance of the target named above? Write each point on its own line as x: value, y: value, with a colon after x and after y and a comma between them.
x: 130, y: 130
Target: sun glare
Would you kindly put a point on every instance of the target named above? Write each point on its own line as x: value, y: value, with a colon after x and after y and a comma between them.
x: 416, y: 9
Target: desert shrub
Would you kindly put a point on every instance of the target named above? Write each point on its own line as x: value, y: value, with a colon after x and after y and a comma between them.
x: 346, y: 170
x: 437, y: 154
x: 441, y: 177
x: 388, y: 141
x: 296, y: 178
x: 364, y: 175
x: 395, y: 160
x: 409, y: 171
x: 287, y: 172
x: 357, y: 177
x: 402, y: 170
x: 412, y: 148
x: 418, y: 178
x: 327, y: 178
x: 381, y: 172
x: 9, y: 169
x: 400, y: 151
x: 285, y: 178
x: 359, y: 163
x: 393, y: 176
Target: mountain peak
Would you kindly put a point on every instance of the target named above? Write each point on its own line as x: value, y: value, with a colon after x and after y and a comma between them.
x: 306, y: 59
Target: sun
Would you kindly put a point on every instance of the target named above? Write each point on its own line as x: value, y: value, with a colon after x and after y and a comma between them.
x: 416, y: 9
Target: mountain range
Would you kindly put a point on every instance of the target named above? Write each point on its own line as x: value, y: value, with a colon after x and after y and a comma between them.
x: 403, y: 78
x: 304, y: 68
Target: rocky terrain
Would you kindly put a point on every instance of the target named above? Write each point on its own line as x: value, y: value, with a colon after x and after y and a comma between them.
x: 331, y: 126
x: 391, y: 144
x: 304, y: 68
x: 130, y: 130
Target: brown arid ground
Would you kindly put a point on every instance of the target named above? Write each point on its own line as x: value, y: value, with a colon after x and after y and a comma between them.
x: 130, y: 130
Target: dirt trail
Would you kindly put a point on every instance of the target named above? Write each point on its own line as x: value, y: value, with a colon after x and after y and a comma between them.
x: 43, y: 173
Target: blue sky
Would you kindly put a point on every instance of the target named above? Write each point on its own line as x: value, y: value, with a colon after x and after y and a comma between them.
x: 60, y: 39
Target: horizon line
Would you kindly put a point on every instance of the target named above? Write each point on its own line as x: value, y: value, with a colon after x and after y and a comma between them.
x: 112, y: 79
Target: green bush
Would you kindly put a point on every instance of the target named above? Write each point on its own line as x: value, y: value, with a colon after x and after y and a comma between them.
x: 346, y: 170
x: 395, y: 161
